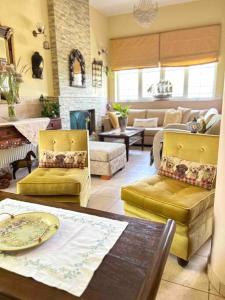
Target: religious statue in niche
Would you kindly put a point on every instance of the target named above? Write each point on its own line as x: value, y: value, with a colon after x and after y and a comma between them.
x: 37, y: 65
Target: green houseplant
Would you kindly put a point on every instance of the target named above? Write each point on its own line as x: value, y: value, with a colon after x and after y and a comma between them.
x: 123, y: 115
x: 50, y: 108
x: 10, y: 80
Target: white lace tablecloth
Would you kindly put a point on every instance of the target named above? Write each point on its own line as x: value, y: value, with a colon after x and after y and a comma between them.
x: 29, y: 127
x: 69, y: 259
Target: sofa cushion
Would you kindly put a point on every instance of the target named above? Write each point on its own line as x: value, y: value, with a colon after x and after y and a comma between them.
x: 136, y: 114
x: 185, y: 114
x: 104, y: 151
x: 57, y: 181
x: 172, y: 116
x: 168, y: 198
x: 152, y: 131
x: 196, y: 113
x: 146, y: 123
x: 113, y: 117
x: 157, y: 113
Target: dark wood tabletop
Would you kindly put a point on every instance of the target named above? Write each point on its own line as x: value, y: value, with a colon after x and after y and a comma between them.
x: 130, y: 131
x: 131, y: 270
x: 130, y: 137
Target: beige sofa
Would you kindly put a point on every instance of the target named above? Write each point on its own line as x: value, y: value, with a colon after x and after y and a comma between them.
x: 153, y: 113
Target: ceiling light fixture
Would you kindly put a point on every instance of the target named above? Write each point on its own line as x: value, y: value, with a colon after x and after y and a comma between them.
x: 145, y: 12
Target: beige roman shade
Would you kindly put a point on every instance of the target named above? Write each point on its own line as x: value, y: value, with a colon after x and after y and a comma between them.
x: 190, y: 46
x: 134, y: 52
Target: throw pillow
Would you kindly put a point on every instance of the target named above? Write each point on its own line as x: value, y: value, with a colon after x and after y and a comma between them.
x: 194, y: 173
x: 146, y: 123
x: 113, y: 117
x: 172, y: 116
x: 186, y: 112
x: 202, y: 123
x: 210, y: 114
x: 66, y: 159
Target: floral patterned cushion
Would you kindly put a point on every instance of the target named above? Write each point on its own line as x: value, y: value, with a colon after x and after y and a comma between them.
x: 67, y: 159
x: 194, y: 173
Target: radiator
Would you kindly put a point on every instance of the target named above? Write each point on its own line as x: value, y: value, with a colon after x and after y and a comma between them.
x: 9, y: 155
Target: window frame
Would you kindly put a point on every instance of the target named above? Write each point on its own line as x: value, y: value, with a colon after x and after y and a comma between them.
x: 162, y: 70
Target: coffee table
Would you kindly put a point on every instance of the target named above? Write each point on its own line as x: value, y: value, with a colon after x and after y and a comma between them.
x: 130, y: 137
x: 132, y: 270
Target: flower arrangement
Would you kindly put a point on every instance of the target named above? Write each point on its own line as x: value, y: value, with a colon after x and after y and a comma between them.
x: 10, y: 80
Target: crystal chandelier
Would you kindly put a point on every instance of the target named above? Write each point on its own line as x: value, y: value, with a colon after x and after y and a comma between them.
x: 145, y: 12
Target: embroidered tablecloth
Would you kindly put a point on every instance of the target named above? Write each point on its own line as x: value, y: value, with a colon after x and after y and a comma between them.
x: 30, y: 127
x: 69, y: 259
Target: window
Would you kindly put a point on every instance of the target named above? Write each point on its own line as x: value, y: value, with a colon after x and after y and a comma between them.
x: 176, y: 77
x: 201, y: 81
x: 149, y: 77
x: 191, y: 82
x: 128, y: 85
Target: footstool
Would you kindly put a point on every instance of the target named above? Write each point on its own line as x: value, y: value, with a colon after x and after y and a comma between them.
x: 106, y: 158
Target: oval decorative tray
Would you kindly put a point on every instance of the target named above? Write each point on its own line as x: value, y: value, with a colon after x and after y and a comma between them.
x: 27, y: 230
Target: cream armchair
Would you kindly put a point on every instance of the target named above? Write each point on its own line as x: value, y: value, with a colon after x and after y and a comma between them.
x: 60, y: 184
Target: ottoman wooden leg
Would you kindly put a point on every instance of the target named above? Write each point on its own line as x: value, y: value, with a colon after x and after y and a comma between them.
x: 105, y: 177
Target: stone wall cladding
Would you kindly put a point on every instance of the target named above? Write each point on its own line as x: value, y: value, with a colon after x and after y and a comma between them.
x: 69, y: 24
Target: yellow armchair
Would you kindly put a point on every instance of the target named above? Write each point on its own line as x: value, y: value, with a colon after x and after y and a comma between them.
x: 60, y: 184
x: 159, y: 198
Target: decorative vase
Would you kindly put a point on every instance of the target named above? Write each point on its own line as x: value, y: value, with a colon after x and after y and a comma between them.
x: 123, y: 124
x: 11, y: 112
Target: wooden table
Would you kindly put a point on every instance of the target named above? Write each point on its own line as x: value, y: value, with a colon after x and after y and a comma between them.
x: 131, y: 270
x: 130, y: 137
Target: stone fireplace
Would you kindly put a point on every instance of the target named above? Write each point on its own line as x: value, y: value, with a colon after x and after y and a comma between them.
x: 83, y: 119
x: 69, y: 24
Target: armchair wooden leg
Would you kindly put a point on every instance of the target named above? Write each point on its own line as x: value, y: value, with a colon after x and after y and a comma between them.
x: 182, y: 262
x: 105, y: 177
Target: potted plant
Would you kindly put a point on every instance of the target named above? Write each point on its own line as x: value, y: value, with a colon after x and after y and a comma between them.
x: 50, y: 108
x: 10, y: 80
x: 123, y: 115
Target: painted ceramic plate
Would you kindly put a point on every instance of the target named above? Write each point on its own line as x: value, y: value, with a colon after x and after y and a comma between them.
x: 27, y: 230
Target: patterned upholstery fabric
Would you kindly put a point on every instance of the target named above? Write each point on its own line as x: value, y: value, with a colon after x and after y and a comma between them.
x: 63, y: 159
x: 194, y: 173
x: 107, y: 158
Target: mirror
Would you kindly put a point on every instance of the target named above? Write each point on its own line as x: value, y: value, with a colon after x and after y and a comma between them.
x: 77, y: 69
x: 6, y: 50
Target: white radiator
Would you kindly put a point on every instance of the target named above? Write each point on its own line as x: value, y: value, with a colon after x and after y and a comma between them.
x: 9, y: 155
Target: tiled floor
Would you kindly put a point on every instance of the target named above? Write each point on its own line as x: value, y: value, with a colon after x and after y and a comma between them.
x: 179, y: 283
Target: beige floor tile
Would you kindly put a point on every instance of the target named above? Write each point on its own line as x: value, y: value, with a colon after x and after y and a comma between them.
x: 117, y: 208
x: 193, y: 275
x: 213, y: 297
x: 172, y: 291
x: 99, y: 202
x: 212, y: 290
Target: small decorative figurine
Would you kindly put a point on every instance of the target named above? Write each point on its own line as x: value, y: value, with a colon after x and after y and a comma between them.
x: 23, y: 163
x: 37, y: 65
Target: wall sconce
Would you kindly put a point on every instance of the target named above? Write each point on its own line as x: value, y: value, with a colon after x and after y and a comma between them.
x: 46, y: 45
x: 40, y: 29
x: 102, y: 51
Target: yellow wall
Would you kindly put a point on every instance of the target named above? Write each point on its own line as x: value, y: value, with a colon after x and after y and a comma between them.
x: 99, y: 40
x: 22, y: 16
x: 197, y: 13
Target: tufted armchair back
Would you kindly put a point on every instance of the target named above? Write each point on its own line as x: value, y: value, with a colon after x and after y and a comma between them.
x: 64, y: 140
x: 200, y: 148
